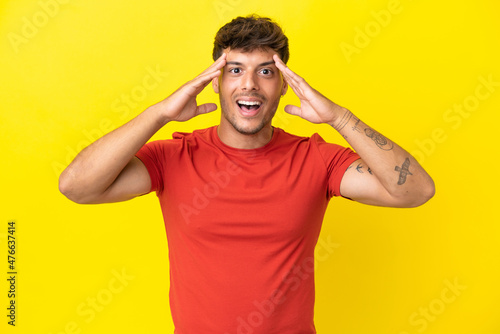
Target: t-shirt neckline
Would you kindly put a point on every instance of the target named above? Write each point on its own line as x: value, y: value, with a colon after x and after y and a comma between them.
x: 244, y: 151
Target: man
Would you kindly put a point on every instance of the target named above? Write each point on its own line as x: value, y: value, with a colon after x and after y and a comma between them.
x: 243, y: 202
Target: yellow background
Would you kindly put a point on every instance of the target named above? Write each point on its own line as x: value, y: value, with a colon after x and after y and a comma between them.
x: 68, y: 66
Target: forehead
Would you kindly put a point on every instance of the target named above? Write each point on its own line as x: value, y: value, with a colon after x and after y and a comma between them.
x: 253, y: 57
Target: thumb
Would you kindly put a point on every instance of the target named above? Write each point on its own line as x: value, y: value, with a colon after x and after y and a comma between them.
x: 206, y: 108
x: 293, y: 110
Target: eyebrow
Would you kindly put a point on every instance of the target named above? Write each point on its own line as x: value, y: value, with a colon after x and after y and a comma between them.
x: 241, y: 64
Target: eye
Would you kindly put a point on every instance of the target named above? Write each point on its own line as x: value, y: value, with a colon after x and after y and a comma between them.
x: 266, y: 71
x: 235, y: 70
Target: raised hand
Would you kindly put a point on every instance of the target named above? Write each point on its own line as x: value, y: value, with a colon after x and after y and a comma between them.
x: 181, y: 105
x: 314, y: 107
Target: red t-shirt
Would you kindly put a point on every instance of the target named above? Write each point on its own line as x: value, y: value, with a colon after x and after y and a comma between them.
x: 241, y: 228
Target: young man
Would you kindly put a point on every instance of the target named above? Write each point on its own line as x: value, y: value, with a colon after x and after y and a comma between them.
x: 243, y: 202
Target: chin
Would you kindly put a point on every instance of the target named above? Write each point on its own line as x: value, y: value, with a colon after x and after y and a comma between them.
x: 246, y: 129
x: 244, y: 123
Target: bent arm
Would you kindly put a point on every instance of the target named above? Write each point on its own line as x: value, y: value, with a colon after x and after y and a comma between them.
x: 386, y: 174
x: 391, y: 176
x: 107, y: 171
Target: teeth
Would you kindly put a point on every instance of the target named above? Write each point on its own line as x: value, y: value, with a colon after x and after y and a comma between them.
x: 249, y: 103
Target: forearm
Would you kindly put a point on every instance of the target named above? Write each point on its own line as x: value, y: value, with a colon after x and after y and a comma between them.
x: 394, y: 177
x: 96, y: 167
x: 105, y: 171
x: 398, y: 172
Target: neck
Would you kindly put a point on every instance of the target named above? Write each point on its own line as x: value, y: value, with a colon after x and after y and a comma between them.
x: 231, y: 137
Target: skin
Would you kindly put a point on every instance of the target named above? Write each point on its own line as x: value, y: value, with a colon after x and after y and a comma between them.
x: 392, y: 178
x: 248, y: 76
x: 108, y: 171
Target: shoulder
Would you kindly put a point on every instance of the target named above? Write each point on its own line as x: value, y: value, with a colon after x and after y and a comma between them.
x: 314, y: 140
x: 180, y: 139
x: 284, y: 137
x: 180, y: 142
x: 332, y: 154
x: 196, y: 134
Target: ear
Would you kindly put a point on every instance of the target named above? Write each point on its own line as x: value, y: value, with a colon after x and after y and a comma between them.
x: 284, y: 88
x: 215, y: 85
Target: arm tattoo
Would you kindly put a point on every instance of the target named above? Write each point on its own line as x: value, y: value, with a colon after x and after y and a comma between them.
x: 403, y: 171
x: 382, y: 142
x: 359, y: 169
x: 355, y: 127
x: 344, y: 120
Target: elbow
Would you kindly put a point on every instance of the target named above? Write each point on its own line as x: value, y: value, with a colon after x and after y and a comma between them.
x: 68, y: 187
x: 415, y: 197
x: 430, y: 191
x: 65, y: 184
x: 424, y: 194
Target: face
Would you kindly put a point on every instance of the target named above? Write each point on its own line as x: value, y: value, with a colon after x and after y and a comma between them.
x: 249, y: 88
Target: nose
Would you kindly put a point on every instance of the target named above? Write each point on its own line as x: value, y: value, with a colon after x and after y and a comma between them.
x: 249, y: 82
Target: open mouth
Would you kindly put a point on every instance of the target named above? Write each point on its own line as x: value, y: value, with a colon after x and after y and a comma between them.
x: 249, y: 108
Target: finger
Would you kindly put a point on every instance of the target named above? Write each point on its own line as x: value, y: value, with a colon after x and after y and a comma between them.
x: 287, y: 72
x: 293, y: 110
x: 280, y: 65
x: 206, y: 77
x: 218, y: 64
x: 294, y: 80
x: 213, y: 71
x: 206, y: 108
x: 201, y: 81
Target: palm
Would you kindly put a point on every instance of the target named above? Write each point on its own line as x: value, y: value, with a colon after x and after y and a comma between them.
x: 314, y: 107
x: 182, y: 105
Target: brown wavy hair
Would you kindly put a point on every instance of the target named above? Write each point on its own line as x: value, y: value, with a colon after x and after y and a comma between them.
x: 250, y: 33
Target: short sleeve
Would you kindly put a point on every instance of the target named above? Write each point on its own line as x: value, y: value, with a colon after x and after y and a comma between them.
x: 337, y: 159
x: 152, y: 156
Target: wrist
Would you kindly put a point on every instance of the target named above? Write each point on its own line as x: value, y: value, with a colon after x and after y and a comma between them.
x: 157, y: 113
x: 338, y: 115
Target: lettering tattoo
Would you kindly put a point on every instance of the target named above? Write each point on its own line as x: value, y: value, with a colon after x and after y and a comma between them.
x: 382, y: 142
x: 403, y: 171
x: 355, y: 127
